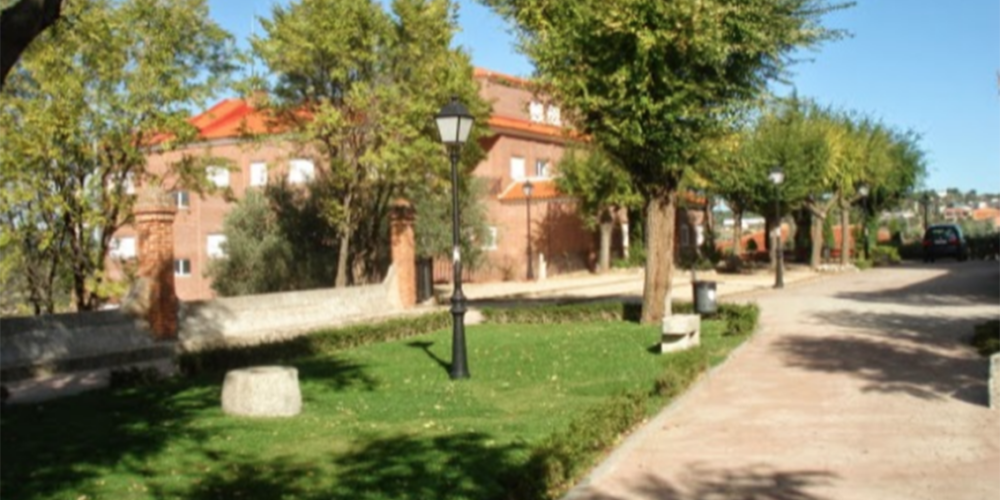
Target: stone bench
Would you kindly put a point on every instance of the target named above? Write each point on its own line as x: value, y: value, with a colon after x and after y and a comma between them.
x: 680, y: 332
x: 262, y: 391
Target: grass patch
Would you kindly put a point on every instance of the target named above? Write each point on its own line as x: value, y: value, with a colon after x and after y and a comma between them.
x: 380, y: 420
x: 986, y: 340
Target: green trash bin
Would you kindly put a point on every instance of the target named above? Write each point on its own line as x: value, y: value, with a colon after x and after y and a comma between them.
x: 704, y: 297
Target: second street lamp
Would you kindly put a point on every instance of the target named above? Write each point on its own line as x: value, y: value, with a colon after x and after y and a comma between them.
x: 863, y: 191
x: 528, y: 188
x: 777, y: 176
x: 454, y: 124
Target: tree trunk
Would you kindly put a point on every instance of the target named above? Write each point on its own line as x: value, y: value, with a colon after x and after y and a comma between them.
x: 737, y: 233
x: 607, y: 227
x: 623, y: 216
x: 816, y: 237
x: 845, y: 234
x: 660, y: 215
x: 343, y: 248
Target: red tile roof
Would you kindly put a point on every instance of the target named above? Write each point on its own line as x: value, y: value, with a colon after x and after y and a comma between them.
x: 543, y: 189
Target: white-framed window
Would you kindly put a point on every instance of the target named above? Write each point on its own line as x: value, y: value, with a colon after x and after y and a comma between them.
x: 301, y: 171
x: 553, y: 116
x: 536, y: 111
x: 517, y: 168
x: 123, y: 248
x: 182, y: 267
x: 182, y: 199
x: 218, y: 176
x: 258, y: 173
x: 491, y: 238
x: 213, y: 246
x: 542, y: 168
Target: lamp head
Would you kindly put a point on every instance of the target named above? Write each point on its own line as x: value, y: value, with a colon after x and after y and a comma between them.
x: 454, y: 123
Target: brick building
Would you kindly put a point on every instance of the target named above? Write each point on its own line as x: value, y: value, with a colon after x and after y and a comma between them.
x: 527, y: 141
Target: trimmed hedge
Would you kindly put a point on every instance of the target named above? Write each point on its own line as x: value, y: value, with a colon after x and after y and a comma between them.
x: 740, y: 319
x: 987, y: 338
x: 323, y: 341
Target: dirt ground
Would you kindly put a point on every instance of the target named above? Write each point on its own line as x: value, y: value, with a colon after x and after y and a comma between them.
x: 856, y: 386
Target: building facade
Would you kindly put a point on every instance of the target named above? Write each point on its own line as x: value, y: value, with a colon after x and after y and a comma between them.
x: 527, y: 139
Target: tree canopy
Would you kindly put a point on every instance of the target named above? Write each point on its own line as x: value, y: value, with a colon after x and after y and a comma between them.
x: 360, y: 88
x: 79, y: 117
x: 652, y: 81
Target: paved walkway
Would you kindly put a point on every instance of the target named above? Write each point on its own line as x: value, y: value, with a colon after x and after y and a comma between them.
x: 858, y: 386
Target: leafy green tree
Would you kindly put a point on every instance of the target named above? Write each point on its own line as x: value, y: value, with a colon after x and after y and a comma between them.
x: 359, y: 88
x: 433, y: 221
x: 601, y: 188
x: 80, y: 115
x: 650, y: 81
x: 276, y: 241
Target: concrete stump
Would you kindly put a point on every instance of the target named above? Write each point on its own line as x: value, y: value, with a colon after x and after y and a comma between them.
x: 995, y: 381
x: 262, y: 391
x: 680, y: 332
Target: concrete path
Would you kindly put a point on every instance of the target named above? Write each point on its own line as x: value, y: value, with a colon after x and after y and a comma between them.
x: 858, y: 386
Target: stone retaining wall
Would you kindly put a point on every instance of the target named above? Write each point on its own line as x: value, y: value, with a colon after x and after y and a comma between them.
x: 39, y: 345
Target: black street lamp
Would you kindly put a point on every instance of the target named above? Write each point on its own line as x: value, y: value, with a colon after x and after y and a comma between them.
x: 528, y: 188
x: 454, y: 123
x: 863, y: 191
x: 925, y: 200
x: 777, y: 176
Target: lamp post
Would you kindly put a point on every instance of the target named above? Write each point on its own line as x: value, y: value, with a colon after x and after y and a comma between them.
x: 863, y: 190
x: 528, y: 188
x: 454, y: 123
x: 925, y: 200
x: 777, y: 176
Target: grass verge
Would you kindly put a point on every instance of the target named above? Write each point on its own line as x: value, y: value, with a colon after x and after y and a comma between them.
x: 381, y: 420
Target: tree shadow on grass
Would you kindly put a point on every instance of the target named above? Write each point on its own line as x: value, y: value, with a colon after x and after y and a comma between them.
x: 399, y: 467
x: 335, y: 372
x: 757, y: 482
x: 62, y: 446
x: 65, y: 445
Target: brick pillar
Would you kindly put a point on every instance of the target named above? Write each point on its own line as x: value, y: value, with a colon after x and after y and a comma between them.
x: 154, y: 219
x: 404, y: 252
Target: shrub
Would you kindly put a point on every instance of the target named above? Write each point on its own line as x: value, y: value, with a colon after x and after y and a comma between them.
x: 987, y: 338
x: 134, y: 377
x: 636, y: 258
x: 885, y: 255
x: 741, y: 319
x: 324, y: 341
x: 555, y: 463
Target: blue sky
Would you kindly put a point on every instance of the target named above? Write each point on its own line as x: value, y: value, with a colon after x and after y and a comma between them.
x: 925, y: 65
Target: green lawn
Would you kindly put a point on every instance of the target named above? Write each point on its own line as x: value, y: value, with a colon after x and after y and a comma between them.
x: 380, y: 421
